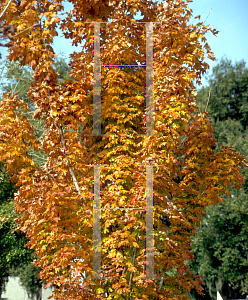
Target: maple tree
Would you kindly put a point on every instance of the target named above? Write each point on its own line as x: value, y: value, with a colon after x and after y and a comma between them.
x: 56, y: 199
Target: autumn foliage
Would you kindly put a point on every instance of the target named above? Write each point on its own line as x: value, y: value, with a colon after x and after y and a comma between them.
x: 56, y: 200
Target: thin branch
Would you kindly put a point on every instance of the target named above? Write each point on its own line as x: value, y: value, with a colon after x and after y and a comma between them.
x: 131, y: 275
x: 68, y: 161
x: 11, y: 86
x: 5, y: 9
x: 161, y: 282
x: 25, y: 30
x: 41, y: 158
x: 204, y: 191
x: 208, y: 98
x: 207, y: 15
x: 124, y: 270
x: 196, y: 18
x: 2, y: 69
x: 62, y: 139
x: 19, y: 88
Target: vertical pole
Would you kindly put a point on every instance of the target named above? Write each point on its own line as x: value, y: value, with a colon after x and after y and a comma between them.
x: 96, y: 224
x: 149, y: 80
x: 149, y: 168
x: 149, y: 223
x: 97, y: 82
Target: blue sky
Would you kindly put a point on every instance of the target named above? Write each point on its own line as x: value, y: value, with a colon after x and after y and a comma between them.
x: 229, y: 17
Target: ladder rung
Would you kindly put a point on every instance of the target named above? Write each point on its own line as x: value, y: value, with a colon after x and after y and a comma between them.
x: 137, y: 21
x: 122, y: 208
x: 123, y: 65
x: 111, y: 165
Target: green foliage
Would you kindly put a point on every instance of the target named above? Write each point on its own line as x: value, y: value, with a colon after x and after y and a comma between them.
x: 62, y: 68
x: 12, y: 250
x: 219, y: 247
x: 7, y: 188
x: 226, y: 99
x: 228, y: 92
x: 18, y: 79
x: 220, y: 244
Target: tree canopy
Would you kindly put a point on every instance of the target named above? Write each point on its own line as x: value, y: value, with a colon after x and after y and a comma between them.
x: 56, y: 199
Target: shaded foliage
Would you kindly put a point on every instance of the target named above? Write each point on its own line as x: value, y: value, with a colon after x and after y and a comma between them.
x: 220, y: 247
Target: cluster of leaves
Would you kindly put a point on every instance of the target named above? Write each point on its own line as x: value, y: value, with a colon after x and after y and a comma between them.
x: 15, y: 258
x: 219, y: 247
x: 55, y: 199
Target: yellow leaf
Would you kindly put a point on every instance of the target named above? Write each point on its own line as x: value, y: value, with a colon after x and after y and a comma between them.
x: 135, y: 245
x: 119, y: 291
x: 100, y: 290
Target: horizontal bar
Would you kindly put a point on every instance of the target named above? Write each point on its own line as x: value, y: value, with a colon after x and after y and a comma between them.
x: 137, y: 21
x: 92, y: 134
x: 145, y: 278
x: 138, y: 135
x: 123, y: 65
x: 128, y: 208
x: 151, y: 165
x: 149, y: 278
x: 159, y: 134
x: 98, y: 165
x: 111, y: 165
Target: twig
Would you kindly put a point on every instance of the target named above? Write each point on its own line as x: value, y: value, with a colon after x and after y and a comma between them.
x: 41, y: 158
x: 208, y: 98
x: 207, y: 15
x: 13, y: 90
x: 68, y: 161
x: 131, y: 275
x: 5, y: 9
x: 204, y: 191
x: 161, y: 282
x: 19, y: 88
x: 25, y: 29
x: 62, y: 139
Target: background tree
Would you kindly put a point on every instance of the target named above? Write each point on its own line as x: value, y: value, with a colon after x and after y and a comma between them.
x: 15, y: 259
x: 12, y: 250
x: 29, y: 279
x: 56, y: 199
x: 226, y: 99
x: 220, y: 248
